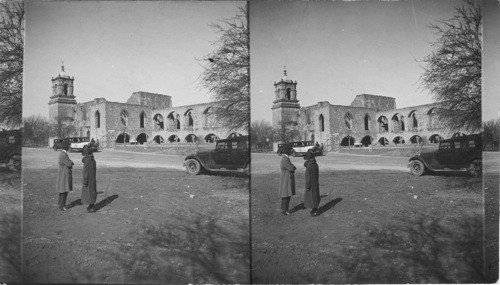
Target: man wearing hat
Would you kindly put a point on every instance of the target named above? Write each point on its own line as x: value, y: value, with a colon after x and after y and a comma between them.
x: 287, y: 183
x: 65, y: 177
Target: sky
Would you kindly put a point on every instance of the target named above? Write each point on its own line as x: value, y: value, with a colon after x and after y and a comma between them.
x: 336, y: 50
x: 115, y: 48
x: 491, y: 60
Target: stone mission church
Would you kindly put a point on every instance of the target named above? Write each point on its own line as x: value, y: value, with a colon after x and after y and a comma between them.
x: 369, y: 120
x: 145, y: 117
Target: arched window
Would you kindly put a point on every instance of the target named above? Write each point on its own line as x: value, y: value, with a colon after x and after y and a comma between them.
x: 383, y: 124
x: 413, y: 120
x: 124, y: 117
x: 158, y: 119
x: 348, y: 120
x: 321, y: 123
x: 97, y: 119
x: 142, y: 116
x: 178, y: 122
x: 288, y: 94
x: 367, y: 122
x: 189, y: 118
x: 65, y: 89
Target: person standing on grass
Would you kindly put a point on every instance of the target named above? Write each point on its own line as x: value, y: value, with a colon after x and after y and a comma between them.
x: 89, y: 188
x: 65, y: 176
x: 287, y: 183
x: 311, y: 196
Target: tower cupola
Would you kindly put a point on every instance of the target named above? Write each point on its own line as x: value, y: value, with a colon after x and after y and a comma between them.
x: 62, y: 88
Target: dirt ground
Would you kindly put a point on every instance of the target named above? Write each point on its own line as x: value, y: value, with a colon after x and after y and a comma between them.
x: 378, y: 224
x: 10, y: 226
x: 154, y: 224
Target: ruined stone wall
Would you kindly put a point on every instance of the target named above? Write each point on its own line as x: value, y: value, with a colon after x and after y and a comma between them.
x: 379, y: 103
x: 150, y: 99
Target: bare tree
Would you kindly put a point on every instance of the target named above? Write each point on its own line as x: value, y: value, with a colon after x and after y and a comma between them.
x: 226, y: 72
x: 453, y: 70
x: 491, y: 134
x: 11, y: 61
x: 261, y: 134
x: 36, y: 130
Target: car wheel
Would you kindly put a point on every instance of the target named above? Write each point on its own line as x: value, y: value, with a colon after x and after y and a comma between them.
x: 193, y: 167
x: 70, y: 149
x: 417, y: 168
x: 55, y: 148
x: 475, y: 167
x: 294, y: 153
x: 14, y: 163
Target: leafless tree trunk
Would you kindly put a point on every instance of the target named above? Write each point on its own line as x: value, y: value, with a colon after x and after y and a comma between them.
x: 11, y: 61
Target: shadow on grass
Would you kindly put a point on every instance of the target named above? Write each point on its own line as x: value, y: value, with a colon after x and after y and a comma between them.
x: 449, y: 173
x: 328, y: 206
x: 194, y: 249
x: 10, y: 247
x: 103, y: 203
x: 418, y: 249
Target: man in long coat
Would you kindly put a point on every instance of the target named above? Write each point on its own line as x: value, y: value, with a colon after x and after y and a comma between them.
x: 311, y: 195
x: 89, y: 189
x: 287, y: 183
x: 65, y: 177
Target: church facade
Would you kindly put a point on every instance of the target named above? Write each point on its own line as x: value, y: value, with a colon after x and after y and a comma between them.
x: 144, y: 117
x: 370, y: 120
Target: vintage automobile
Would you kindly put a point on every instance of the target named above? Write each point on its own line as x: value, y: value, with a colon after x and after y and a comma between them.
x: 455, y: 153
x: 300, y: 148
x: 10, y: 149
x: 230, y: 154
x: 58, y: 144
x: 76, y: 144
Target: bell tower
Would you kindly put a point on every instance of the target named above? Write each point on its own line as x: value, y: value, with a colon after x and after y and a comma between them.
x: 62, y: 100
x: 285, y: 106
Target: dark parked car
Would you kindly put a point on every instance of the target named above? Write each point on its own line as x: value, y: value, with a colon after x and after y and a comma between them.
x: 10, y: 149
x: 58, y: 144
x: 454, y: 153
x: 230, y: 154
x: 300, y: 148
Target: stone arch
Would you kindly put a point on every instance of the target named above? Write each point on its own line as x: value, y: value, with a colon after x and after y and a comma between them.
x: 435, y: 138
x: 383, y: 124
x: 347, y: 141
x: 348, y: 120
x: 207, y: 114
x: 124, y: 117
x: 142, y: 118
x: 211, y: 138
x: 367, y: 120
x: 188, y: 118
x: 191, y: 138
x: 321, y: 123
x: 174, y: 138
x: 123, y: 138
x: 398, y: 140
x: 416, y: 139
x: 432, y: 118
x: 178, y: 122
x: 158, y: 119
x: 288, y: 93
x: 413, y: 119
x: 142, y: 138
x: 398, y: 123
x: 171, y: 121
x: 367, y: 140
x: 97, y: 119
x: 383, y: 141
x: 158, y: 139
x: 65, y: 89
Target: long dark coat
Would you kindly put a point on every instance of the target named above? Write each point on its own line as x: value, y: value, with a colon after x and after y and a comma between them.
x: 65, y: 175
x: 311, y: 197
x: 89, y: 189
x: 287, y: 185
